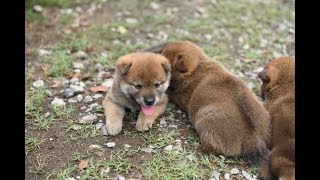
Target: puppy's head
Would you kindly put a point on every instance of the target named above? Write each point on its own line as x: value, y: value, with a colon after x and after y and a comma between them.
x: 184, y: 57
x: 278, y: 71
x: 144, y: 77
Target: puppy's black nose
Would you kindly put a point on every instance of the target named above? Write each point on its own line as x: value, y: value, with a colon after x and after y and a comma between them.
x: 149, y: 101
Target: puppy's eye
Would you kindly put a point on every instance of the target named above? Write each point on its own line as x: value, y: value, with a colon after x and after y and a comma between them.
x: 157, y: 85
x: 137, y: 86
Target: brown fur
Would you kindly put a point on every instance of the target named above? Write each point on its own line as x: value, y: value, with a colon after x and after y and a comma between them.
x: 225, y: 113
x: 134, y: 70
x: 278, y: 90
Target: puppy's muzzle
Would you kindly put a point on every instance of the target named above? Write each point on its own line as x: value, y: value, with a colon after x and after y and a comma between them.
x: 149, y: 101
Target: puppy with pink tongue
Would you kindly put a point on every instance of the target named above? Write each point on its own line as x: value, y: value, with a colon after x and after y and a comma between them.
x: 140, y: 82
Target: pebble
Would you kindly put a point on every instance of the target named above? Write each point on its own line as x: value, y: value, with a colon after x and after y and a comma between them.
x: 94, y: 146
x: 88, y: 119
x: 216, y: 174
x: 173, y: 126
x: 99, y: 67
x: 58, y: 102
x: 147, y: 150
x: 168, y: 148
x: 126, y: 146
x: 72, y: 101
x: 226, y: 176
x: 154, y: 5
x: 246, y: 174
x: 81, y: 54
x: 47, y: 114
x: 87, y: 99
x: 83, y: 107
x: 43, y: 52
x: 104, y: 131
x: 179, y: 111
x: 111, y: 144
x: 119, y: 177
x: 246, y: 46
x: 77, y: 89
x: 50, y: 139
x: 208, y: 37
x: 79, y: 97
x: 38, y: 8
x: 67, y: 93
x: 107, y: 83
x: 131, y: 20
x: 38, y: 83
x: 97, y: 96
x: 163, y: 122
x: 77, y: 70
x: 48, y: 92
x: 234, y: 171
x: 99, y: 125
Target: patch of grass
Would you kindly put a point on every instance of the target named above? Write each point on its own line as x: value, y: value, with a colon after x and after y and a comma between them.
x: 217, y: 53
x: 120, y: 50
x: 34, y: 102
x: 43, y: 122
x: 63, y: 174
x: 119, y: 163
x: 61, y: 63
x: 132, y: 116
x: 41, y: 163
x: 193, y: 141
x: 199, y: 25
x: 32, y: 143
x: 62, y: 112
x: 158, y: 140
x: 156, y: 20
x: 173, y: 36
x: 172, y: 165
x: 58, y: 3
x: 83, y: 131
x: 31, y: 15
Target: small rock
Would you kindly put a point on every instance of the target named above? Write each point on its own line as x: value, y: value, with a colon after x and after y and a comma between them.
x: 94, y: 146
x: 254, y: 176
x: 83, y: 107
x: 111, y: 144
x: 67, y: 93
x: 77, y: 70
x: 81, y: 54
x: 154, y: 5
x: 47, y: 114
x: 276, y: 54
x: 50, y: 139
x: 43, y: 52
x: 246, y: 174
x: 74, y: 80
x: 87, y: 99
x: 126, y: 146
x: 119, y: 177
x: 131, y: 20
x: 208, y: 37
x: 78, y: 177
x: 108, y: 83
x: 147, y: 150
x: 168, y: 148
x: 48, y: 92
x: 246, y: 46
x: 79, y: 97
x: 104, y: 131
x: 88, y: 119
x: 97, y: 96
x: 99, y: 67
x: 37, y: 8
x: 179, y: 111
x: 82, y: 84
x: 38, y: 83
x: 77, y: 89
x: 173, y: 126
x: 58, y: 102
x: 99, y: 125
x: 226, y: 176
x: 71, y: 178
x: 234, y: 171
x: 163, y: 122
x: 216, y: 174
x: 72, y: 101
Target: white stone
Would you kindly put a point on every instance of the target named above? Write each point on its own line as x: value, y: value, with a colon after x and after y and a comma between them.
x: 108, y: 83
x: 38, y: 8
x: 79, y: 97
x: 94, y: 146
x: 81, y: 54
x: 216, y: 174
x: 88, y: 119
x: 226, y: 176
x: 168, y: 148
x: 111, y: 144
x: 43, y: 52
x: 246, y: 174
x: 87, y: 99
x: 234, y: 171
x: 58, y: 102
x: 97, y: 96
x: 38, y: 83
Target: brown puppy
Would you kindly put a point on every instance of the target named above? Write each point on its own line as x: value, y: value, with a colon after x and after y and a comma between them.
x: 225, y: 113
x: 278, y: 90
x: 140, y: 82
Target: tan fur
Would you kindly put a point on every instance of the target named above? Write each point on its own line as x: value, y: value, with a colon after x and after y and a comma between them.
x: 278, y: 90
x: 133, y: 70
x: 225, y: 113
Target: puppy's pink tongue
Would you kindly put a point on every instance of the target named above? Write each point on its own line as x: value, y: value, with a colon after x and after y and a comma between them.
x: 148, y: 110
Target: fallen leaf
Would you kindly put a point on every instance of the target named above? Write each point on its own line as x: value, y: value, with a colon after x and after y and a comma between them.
x: 56, y: 83
x: 99, y: 88
x: 83, y: 164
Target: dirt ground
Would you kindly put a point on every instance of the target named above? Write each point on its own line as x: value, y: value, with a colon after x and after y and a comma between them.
x: 76, y: 43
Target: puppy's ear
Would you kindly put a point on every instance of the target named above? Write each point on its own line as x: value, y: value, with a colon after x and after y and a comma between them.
x: 166, y: 66
x: 264, y: 76
x: 185, y: 63
x: 123, y: 66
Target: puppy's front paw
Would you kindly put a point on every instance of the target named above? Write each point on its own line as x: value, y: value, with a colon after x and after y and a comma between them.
x: 114, y: 128
x: 143, y: 125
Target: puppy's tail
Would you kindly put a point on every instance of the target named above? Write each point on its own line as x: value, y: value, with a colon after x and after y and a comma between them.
x: 157, y: 49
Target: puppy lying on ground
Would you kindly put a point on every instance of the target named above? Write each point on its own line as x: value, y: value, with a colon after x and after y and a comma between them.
x: 278, y: 90
x: 140, y: 82
x: 225, y: 113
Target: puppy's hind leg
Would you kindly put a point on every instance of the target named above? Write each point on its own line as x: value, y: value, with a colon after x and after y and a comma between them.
x: 114, y: 116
